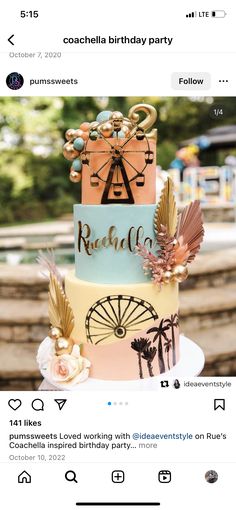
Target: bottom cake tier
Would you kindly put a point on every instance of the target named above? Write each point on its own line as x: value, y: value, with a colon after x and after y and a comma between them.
x: 190, y: 364
x: 126, y: 332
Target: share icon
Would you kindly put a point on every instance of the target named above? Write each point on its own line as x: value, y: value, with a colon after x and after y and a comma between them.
x: 60, y: 402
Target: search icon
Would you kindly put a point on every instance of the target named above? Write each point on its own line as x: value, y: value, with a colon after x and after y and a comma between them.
x: 70, y: 476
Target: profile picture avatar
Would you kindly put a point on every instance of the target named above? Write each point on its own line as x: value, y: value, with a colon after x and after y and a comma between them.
x: 14, y: 81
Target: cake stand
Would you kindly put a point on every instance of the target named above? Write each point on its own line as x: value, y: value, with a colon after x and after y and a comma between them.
x: 190, y: 365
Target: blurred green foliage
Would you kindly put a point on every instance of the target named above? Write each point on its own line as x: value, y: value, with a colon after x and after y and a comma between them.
x: 34, y: 182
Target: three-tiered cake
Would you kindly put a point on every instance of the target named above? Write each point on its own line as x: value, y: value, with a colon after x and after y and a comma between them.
x: 122, y: 313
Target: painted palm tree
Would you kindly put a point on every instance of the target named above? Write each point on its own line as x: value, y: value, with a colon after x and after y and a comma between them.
x: 160, y: 332
x: 149, y: 354
x: 168, y: 345
x: 139, y: 345
x: 172, y: 323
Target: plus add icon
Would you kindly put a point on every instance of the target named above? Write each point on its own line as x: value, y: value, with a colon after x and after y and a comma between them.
x: 118, y: 476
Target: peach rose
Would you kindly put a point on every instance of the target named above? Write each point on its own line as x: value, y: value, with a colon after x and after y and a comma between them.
x: 69, y: 368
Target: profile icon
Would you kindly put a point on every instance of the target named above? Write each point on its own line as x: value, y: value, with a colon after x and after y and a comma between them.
x: 176, y: 384
x: 14, y: 81
x: 211, y: 476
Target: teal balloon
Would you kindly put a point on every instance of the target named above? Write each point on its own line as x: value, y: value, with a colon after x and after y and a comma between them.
x: 203, y: 142
x: 78, y: 144
x: 77, y: 165
x: 178, y: 164
x: 103, y: 116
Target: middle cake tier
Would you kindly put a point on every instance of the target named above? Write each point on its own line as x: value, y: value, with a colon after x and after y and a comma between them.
x: 111, y: 319
x: 105, y: 241
x: 116, y: 311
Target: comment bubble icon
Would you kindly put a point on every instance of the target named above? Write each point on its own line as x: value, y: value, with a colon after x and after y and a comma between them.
x: 37, y: 404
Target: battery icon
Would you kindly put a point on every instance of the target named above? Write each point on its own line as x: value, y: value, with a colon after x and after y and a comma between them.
x: 218, y: 14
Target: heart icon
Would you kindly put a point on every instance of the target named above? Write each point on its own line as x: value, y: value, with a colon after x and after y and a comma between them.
x: 14, y: 403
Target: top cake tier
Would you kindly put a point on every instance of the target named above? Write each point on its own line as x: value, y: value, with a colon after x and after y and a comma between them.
x: 116, y: 157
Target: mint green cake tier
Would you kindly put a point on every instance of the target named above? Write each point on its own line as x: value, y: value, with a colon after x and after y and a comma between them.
x: 105, y: 240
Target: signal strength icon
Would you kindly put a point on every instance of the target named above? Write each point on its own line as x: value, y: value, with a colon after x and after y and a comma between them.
x: 191, y: 14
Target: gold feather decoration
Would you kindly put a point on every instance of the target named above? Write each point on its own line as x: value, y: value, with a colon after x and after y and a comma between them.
x: 190, y: 230
x: 60, y: 312
x: 47, y: 262
x: 166, y: 211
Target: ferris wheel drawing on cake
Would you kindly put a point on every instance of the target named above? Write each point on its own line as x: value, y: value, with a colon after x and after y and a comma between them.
x: 117, y: 168
x: 117, y: 315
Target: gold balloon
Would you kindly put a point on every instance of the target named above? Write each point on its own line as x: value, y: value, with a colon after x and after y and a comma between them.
x: 116, y: 116
x: 126, y: 131
x: 127, y: 123
x: 55, y: 333
x: 85, y: 126
x: 85, y: 135
x: 75, y: 176
x: 94, y: 125
x: 180, y: 273
x: 70, y: 134
x: 167, y: 276
x: 63, y: 345
x: 78, y: 133
x: 69, y: 152
x: 106, y: 129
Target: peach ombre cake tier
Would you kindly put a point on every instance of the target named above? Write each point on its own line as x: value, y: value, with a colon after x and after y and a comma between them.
x: 115, y: 317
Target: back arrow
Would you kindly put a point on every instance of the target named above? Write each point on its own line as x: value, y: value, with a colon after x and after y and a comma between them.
x: 10, y: 39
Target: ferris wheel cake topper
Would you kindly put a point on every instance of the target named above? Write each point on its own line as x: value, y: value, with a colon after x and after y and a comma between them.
x: 115, y: 156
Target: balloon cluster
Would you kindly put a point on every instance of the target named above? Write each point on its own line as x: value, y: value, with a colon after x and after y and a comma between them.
x: 185, y: 157
x: 188, y: 156
x: 107, y: 125
x: 72, y: 149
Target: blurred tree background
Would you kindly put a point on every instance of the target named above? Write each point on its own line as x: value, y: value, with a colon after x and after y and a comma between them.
x: 34, y: 183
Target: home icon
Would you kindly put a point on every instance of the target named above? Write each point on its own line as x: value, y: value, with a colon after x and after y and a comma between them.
x: 24, y: 477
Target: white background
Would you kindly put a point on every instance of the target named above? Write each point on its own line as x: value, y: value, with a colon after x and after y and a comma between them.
x: 166, y: 411
x: 199, y: 45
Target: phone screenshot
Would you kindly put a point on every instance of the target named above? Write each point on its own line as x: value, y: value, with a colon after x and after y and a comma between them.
x: 117, y: 255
